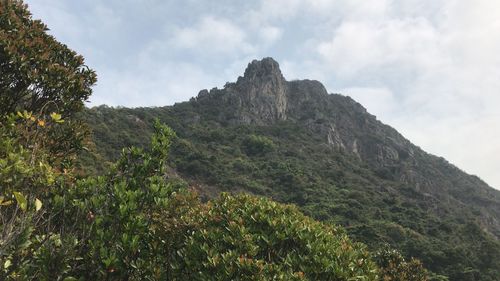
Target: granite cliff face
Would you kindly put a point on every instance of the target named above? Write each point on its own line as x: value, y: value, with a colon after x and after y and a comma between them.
x: 263, y: 96
x: 262, y: 91
x: 259, y: 97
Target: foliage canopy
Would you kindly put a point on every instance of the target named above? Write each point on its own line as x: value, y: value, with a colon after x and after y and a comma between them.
x: 39, y: 74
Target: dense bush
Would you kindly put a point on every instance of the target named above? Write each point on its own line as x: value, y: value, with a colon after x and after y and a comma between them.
x: 136, y: 224
x: 30, y: 174
x: 394, y: 267
x: 257, y: 145
x: 248, y: 238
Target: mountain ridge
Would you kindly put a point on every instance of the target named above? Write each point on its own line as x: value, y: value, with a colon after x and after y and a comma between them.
x: 290, y: 95
x: 296, y: 143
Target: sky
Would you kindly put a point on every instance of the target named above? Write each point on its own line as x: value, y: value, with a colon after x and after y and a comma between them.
x: 429, y: 68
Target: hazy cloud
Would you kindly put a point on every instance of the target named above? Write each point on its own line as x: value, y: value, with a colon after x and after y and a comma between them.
x: 213, y: 36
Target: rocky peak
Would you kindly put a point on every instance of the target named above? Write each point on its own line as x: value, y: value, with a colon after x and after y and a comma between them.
x: 262, y: 91
x: 263, y: 96
x: 265, y: 69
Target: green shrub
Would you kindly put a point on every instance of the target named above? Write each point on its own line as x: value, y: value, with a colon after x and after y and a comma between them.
x: 29, y: 173
x: 257, y: 145
x: 135, y: 223
x: 393, y: 266
x: 249, y: 238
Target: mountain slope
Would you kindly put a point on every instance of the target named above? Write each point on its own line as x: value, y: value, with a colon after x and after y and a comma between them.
x: 294, y: 142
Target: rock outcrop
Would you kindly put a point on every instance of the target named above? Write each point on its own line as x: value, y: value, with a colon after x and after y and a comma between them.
x: 262, y: 96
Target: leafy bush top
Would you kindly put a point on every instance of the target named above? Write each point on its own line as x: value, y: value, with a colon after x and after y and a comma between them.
x: 248, y: 238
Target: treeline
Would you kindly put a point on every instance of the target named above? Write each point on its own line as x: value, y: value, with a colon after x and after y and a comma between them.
x: 285, y: 162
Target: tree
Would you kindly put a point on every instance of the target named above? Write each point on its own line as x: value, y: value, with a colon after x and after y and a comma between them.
x: 42, y: 82
x: 38, y: 73
x: 393, y: 266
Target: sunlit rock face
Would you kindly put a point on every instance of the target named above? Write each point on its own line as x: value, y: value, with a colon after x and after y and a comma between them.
x: 263, y: 90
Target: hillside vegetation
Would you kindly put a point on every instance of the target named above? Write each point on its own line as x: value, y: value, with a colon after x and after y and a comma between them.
x: 136, y: 220
x: 297, y: 144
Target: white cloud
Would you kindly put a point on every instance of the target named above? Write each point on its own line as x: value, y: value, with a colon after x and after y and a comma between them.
x: 212, y: 35
x: 173, y: 82
x: 360, y: 46
x: 270, y: 34
x: 279, y: 9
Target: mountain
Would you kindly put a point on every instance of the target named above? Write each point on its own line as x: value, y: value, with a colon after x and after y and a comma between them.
x: 296, y: 143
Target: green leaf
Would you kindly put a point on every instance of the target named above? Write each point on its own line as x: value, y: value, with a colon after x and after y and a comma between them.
x: 27, y: 114
x: 7, y: 264
x: 56, y: 117
x: 38, y: 204
x: 5, y: 203
x: 21, y: 200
